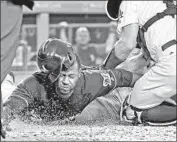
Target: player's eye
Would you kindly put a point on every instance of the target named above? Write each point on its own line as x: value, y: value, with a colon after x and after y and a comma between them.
x: 72, y: 75
x: 62, y: 75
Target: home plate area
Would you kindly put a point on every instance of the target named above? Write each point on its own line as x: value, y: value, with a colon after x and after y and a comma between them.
x: 93, y: 131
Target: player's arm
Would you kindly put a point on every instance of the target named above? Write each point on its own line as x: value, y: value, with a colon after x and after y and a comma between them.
x: 102, y: 82
x: 96, y: 83
x: 125, y: 78
x: 20, y: 98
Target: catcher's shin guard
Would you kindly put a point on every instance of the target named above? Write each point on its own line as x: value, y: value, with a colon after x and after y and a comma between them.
x: 111, y: 60
x: 162, y: 115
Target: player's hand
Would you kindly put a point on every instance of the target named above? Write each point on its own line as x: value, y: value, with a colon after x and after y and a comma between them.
x: 7, y: 118
x: 6, y: 126
x: 33, y: 117
x: 68, y: 120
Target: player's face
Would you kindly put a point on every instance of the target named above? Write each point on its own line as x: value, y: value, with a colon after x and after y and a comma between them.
x: 67, y: 81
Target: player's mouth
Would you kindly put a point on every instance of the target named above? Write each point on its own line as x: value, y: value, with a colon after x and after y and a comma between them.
x: 64, y: 89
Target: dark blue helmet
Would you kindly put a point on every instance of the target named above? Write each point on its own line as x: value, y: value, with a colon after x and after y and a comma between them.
x: 54, y: 54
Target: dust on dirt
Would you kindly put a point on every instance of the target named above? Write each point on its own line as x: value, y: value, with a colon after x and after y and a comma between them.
x: 99, y: 131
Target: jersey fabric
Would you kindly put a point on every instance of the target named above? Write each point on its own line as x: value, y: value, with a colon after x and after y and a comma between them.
x: 157, y: 35
x: 159, y: 83
x: 37, y: 93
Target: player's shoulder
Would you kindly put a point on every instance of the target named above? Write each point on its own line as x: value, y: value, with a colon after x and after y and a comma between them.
x: 32, y: 80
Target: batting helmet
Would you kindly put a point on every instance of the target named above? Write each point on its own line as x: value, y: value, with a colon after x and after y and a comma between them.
x: 112, y: 9
x: 55, y: 54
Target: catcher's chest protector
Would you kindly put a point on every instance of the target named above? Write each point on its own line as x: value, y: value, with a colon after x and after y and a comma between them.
x: 170, y: 10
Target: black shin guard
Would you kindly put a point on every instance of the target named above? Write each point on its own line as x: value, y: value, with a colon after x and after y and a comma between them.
x: 111, y: 60
x: 161, y: 115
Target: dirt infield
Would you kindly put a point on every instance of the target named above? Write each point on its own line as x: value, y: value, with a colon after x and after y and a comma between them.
x: 98, y: 131
x: 107, y: 131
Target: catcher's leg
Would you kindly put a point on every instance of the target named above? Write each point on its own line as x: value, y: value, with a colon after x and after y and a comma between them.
x: 156, y: 86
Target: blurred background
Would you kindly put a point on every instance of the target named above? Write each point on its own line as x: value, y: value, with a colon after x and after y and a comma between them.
x: 82, y: 23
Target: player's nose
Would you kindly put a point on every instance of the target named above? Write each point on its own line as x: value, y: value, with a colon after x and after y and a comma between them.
x: 65, y: 80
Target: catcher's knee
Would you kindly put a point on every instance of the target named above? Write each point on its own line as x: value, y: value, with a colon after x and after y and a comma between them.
x: 162, y: 115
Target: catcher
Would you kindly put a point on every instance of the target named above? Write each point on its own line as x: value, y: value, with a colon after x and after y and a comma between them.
x: 151, y: 26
